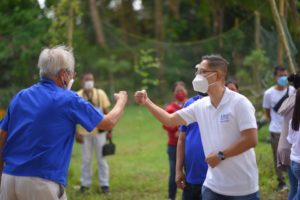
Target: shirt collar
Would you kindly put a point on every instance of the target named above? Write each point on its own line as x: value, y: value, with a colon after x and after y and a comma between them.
x: 224, y: 100
x: 49, y: 82
x: 46, y: 80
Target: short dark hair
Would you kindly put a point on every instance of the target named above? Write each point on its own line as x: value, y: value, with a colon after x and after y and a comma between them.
x: 279, y: 68
x: 216, y: 62
x: 178, y: 83
x: 234, y: 82
x: 86, y: 73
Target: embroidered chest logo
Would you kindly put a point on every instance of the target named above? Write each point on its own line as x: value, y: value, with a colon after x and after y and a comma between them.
x: 224, y: 118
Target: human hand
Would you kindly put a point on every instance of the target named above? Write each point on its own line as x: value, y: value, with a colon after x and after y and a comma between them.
x: 213, y: 160
x: 180, y: 179
x: 109, y: 135
x: 79, y: 138
x: 141, y: 97
x: 121, y: 96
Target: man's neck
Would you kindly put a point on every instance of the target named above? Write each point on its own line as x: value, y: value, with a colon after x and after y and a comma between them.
x: 88, y: 92
x: 56, y: 81
x: 217, y: 95
x: 280, y: 88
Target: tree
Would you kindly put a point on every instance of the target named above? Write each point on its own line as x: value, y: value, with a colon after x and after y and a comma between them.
x: 127, y: 17
x: 62, y: 27
x: 23, y: 28
x: 174, y: 7
x: 97, y: 23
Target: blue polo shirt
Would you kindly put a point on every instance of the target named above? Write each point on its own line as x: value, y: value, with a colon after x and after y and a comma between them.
x: 40, y: 123
x: 195, y: 165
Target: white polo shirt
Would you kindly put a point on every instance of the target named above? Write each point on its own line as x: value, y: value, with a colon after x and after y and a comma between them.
x: 271, y: 97
x: 220, y: 128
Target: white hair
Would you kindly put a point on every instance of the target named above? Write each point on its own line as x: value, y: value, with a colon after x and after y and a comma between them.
x: 52, y: 60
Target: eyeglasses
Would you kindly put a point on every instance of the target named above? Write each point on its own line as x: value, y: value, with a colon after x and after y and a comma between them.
x: 204, y: 72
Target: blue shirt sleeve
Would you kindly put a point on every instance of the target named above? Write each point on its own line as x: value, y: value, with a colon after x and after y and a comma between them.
x: 182, y: 128
x: 4, y: 122
x: 85, y: 114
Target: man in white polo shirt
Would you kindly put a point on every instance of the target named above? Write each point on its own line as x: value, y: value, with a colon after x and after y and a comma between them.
x: 271, y: 98
x: 228, y: 132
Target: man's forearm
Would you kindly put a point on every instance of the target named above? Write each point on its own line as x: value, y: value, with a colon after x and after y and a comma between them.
x: 180, y: 152
x: 163, y: 116
x: 268, y: 114
x: 247, y: 140
x: 113, y: 116
x: 117, y: 111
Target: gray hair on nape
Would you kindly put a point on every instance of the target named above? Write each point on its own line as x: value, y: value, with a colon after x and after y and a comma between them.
x: 53, y: 60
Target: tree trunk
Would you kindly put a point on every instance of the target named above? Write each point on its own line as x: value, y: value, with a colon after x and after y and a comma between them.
x: 282, y: 34
x: 294, y: 10
x: 174, y: 7
x: 257, y: 29
x: 127, y: 17
x: 159, y: 20
x: 70, y: 25
x: 97, y: 23
x: 218, y: 15
x: 280, y: 42
x: 159, y: 37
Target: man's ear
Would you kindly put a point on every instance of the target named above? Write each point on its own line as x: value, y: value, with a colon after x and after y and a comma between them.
x: 62, y: 77
x: 219, y: 75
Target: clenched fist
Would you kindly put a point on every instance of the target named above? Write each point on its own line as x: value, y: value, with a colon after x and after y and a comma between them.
x: 141, y: 97
x: 121, y: 96
x: 213, y: 160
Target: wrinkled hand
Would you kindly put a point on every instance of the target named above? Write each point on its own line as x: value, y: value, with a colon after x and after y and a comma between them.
x: 213, y: 160
x: 180, y: 180
x: 141, y: 97
x: 121, y: 96
x: 79, y: 138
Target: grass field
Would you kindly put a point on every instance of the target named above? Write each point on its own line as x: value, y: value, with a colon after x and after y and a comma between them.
x: 139, y: 170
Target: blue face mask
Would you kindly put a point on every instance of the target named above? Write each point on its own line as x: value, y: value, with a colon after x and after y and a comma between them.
x: 282, y: 81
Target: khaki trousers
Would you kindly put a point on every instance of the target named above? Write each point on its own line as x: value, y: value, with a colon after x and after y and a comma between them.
x: 30, y: 188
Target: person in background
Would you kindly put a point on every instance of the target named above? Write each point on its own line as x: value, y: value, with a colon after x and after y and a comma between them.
x: 232, y: 85
x: 38, y: 130
x: 271, y: 97
x: 94, y: 139
x: 228, y: 130
x: 284, y: 147
x: 294, y: 139
x: 180, y: 95
x: 191, y: 166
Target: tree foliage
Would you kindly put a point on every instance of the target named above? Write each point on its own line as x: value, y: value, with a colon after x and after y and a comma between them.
x: 137, y: 33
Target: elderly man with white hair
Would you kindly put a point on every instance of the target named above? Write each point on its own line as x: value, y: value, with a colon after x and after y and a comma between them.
x: 37, y: 133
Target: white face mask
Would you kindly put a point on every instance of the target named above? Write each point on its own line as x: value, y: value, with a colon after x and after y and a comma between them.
x: 88, y: 85
x: 69, y: 86
x: 200, y: 83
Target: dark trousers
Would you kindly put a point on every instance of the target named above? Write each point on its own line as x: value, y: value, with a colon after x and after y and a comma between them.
x: 192, y: 192
x: 172, y: 162
x: 208, y: 194
x: 274, y: 139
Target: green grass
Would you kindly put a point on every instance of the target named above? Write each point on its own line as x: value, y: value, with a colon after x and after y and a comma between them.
x: 139, y: 170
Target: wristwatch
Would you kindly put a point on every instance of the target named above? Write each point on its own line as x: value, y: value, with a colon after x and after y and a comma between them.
x: 221, y: 155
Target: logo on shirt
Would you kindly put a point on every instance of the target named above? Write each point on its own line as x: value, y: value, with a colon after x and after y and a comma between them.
x: 224, y: 118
